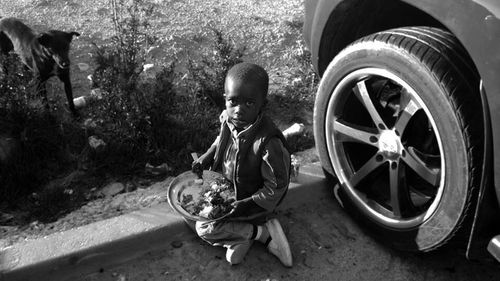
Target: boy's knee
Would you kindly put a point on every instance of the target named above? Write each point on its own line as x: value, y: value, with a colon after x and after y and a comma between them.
x: 203, y: 228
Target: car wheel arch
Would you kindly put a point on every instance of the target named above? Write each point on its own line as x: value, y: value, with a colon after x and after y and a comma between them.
x: 343, y: 26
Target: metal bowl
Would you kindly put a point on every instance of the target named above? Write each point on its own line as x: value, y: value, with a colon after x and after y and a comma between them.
x: 184, y: 184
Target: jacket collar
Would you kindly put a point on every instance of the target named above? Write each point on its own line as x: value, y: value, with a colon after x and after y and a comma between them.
x: 246, y: 131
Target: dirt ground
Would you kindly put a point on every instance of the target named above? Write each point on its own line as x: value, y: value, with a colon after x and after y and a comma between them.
x: 326, y: 245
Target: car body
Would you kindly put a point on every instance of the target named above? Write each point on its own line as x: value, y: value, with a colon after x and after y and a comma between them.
x: 332, y: 25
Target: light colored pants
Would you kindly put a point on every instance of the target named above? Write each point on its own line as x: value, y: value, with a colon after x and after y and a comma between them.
x: 227, y: 233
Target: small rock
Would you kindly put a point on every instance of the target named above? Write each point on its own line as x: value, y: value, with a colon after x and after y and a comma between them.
x: 148, y: 66
x: 176, y: 244
x: 112, y: 189
x: 296, y: 81
x: 130, y: 186
x: 154, y: 52
x: 97, y: 93
x: 83, y: 66
x: 80, y: 102
x: 295, y: 129
x: 89, y: 123
x: 157, y: 170
x: 96, y: 143
x: 35, y: 225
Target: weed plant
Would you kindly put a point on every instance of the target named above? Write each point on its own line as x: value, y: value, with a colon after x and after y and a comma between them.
x: 145, y: 120
x: 209, y: 70
x: 34, y: 141
x: 293, y: 100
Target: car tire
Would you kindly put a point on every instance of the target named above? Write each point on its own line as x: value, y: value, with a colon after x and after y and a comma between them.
x: 398, y: 123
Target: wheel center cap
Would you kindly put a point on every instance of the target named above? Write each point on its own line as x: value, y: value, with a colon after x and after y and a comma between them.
x: 389, y: 142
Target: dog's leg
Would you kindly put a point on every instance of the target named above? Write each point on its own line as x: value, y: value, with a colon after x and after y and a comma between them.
x: 64, y: 77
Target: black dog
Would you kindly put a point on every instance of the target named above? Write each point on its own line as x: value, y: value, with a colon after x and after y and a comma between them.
x: 45, y: 54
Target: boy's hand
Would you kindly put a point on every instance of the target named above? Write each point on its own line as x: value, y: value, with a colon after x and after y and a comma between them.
x: 197, y: 168
x: 240, y: 207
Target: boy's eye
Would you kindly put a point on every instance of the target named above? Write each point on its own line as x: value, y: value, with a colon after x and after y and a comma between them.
x: 249, y: 103
x: 231, y: 101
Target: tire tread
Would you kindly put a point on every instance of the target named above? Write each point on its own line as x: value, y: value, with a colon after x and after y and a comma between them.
x: 441, y: 53
x: 461, y: 95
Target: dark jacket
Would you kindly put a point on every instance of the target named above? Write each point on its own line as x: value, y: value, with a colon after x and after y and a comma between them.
x: 247, y: 175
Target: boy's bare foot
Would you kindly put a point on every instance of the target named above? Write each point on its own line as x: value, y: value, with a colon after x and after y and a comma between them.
x: 278, y: 244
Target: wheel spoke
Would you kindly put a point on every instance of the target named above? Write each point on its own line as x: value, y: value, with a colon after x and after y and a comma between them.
x: 410, y: 109
x: 364, y: 171
x: 400, y: 196
x: 351, y: 132
x: 362, y: 94
x: 430, y: 175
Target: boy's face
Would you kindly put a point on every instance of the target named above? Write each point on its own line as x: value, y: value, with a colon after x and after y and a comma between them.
x: 244, y: 102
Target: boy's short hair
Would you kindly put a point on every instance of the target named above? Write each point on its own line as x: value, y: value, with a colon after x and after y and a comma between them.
x: 249, y: 72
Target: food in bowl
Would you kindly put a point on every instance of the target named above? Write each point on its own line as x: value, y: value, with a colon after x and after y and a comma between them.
x: 214, y: 200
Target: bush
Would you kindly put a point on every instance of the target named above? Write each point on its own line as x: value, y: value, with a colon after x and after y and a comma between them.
x: 293, y: 100
x: 123, y: 118
x: 16, y: 87
x: 119, y: 65
x: 208, y: 72
x: 131, y: 121
x: 33, y: 140
x: 143, y: 120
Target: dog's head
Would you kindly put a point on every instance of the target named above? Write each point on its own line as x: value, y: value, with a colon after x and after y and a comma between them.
x: 57, y: 44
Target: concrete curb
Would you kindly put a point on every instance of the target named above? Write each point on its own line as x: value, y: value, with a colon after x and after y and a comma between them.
x: 90, y: 248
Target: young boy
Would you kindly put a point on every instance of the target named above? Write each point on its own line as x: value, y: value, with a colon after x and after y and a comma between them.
x: 251, y: 152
